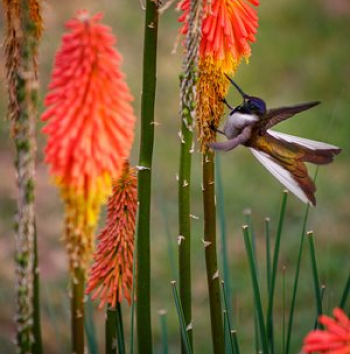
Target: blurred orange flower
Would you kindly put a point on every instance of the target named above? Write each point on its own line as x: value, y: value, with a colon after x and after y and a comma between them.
x: 90, y: 124
x: 228, y: 29
x: 334, y: 339
x: 111, y: 274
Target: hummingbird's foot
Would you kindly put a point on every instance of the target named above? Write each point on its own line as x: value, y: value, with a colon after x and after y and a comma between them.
x: 223, y: 99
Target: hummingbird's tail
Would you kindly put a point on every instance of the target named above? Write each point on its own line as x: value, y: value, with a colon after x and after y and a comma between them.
x: 285, y: 156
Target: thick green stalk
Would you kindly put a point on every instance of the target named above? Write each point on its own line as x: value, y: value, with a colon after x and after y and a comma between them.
x: 111, y: 331
x: 120, y: 330
x: 77, y: 311
x: 217, y: 329
x: 184, y: 217
x: 223, y: 236
x: 143, y: 279
x: 22, y: 40
x: 188, y: 112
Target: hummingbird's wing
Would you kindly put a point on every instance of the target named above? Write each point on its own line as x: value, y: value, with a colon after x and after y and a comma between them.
x: 283, y: 175
x: 276, y: 115
x: 310, y: 144
x: 284, y: 156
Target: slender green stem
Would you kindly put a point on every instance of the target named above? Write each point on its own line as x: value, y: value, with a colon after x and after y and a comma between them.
x: 235, y: 342
x: 227, y: 323
x: 249, y: 221
x: 296, y: 282
x: 164, y: 331
x: 269, y: 319
x: 315, y: 277
x: 283, y: 309
x: 184, y: 337
x: 111, y: 331
x: 256, y: 289
x: 143, y: 279
x: 268, y: 256
x: 217, y: 329
x: 77, y: 310
x: 345, y: 294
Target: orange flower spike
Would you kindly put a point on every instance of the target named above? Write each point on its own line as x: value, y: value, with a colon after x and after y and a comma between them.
x: 90, y: 126
x: 111, y: 274
x: 334, y: 339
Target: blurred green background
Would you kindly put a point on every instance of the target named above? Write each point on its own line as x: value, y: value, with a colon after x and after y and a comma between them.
x: 302, y: 53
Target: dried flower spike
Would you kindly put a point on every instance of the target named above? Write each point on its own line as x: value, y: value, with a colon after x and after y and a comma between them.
x: 111, y: 274
x: 90, y: 125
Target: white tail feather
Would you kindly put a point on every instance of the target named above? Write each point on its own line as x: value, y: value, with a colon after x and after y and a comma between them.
x: 310, y: 144
x: 281, y: 174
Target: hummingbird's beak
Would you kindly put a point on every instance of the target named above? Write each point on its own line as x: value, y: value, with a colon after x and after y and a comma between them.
x: 244, y: 95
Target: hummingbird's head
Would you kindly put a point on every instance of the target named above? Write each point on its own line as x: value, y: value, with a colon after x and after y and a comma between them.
x: 254, y: 105
x: 251, y: 105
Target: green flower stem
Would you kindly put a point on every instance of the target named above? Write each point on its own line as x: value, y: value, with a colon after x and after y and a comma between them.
x: 213, y: 279
x: 77, y: 311
x: 184, y: 216
x: 111, y: 331
x: 223, y: 236
x: 188, y: 112
x: 143, y: 279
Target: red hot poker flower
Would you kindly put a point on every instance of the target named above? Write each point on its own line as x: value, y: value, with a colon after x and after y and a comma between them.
x: 90, y: 125
x: 111, y: 274
x: 228, y: 29
x: 334, y: 339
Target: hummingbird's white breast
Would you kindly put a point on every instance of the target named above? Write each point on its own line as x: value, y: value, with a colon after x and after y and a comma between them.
x: 238, y: 121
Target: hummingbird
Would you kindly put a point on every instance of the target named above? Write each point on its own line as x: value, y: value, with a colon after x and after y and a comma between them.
x: 283, y: 155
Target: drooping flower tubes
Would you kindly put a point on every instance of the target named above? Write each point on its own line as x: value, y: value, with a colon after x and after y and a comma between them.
x: 111, y: 274
x: 228, y: 29
x: 90, y: 124
x: 334, y: 339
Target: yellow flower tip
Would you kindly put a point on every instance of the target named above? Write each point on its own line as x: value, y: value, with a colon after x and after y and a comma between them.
x: 110, y: 276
